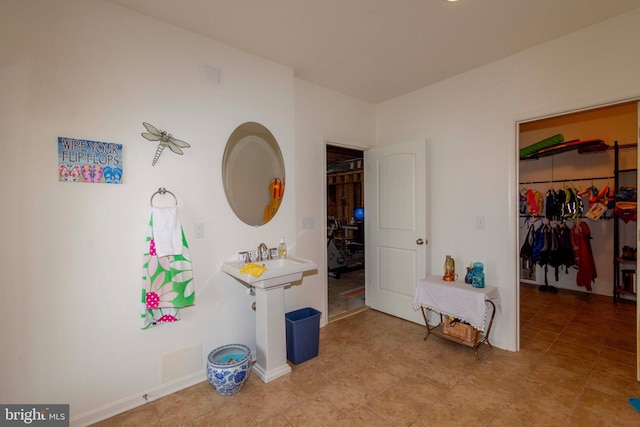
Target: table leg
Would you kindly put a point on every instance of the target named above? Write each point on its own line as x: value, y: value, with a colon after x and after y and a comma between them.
x: 426, y: 322
x: 477, y: 344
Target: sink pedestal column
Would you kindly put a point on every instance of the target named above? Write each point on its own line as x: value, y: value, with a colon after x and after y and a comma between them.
x: 271, y: 339
x: 271, y: 335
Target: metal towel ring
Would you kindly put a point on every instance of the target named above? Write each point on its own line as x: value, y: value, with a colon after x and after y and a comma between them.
x: 163, y: 190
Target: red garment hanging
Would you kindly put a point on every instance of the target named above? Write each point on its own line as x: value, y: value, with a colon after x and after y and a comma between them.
x: 581, y: 244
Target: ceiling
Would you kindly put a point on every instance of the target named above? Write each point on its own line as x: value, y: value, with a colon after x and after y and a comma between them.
x: 376, y: 50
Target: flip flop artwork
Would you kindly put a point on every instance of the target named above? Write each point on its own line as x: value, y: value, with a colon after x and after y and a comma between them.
x: 83, y: 160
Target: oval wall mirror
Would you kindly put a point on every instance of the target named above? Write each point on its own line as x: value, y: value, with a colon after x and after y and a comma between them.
x: 253, y: 173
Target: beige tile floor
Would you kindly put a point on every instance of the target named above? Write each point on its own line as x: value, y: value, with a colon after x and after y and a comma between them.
x: 576, y: 368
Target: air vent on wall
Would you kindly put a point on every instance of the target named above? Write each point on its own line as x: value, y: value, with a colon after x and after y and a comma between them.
x: 210, y: 76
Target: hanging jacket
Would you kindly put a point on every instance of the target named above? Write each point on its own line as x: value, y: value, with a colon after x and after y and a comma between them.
x: 581, y: 244
x: 561, y: 254
x: 523, y: 201
x: 555, y: 259
x: 552, y: 207
x: 526, y: 251
x: 545, y: 250
x: 535, y: 202
x: 538, y: 245
x: 566, y: 249
x: 572, y: 207
x: 560, y: 203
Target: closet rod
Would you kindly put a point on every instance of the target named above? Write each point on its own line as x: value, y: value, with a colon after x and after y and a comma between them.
x: 605, y: 216
x: 566, y: 180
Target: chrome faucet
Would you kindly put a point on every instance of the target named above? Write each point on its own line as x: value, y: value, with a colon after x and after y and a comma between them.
x: 262, y: 249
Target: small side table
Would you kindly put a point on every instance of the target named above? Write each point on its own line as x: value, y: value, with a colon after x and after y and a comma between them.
x: 460, y: 300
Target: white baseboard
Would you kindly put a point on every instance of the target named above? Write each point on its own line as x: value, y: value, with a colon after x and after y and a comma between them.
x: 120, y: 406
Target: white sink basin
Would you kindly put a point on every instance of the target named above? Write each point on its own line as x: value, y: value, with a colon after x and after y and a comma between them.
x: 279, y: 272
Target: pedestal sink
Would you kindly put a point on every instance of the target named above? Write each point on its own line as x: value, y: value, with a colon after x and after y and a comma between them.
x: 271, y: 346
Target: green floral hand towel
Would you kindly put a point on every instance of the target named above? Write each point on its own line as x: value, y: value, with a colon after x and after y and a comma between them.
x: 167, y: 283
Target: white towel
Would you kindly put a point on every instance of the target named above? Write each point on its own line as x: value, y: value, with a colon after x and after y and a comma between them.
x: 167, y: 232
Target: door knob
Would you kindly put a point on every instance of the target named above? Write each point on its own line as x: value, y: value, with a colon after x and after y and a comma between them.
x: 420, y: 242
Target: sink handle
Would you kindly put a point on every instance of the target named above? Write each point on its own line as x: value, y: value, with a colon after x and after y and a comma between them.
x: 243, y: 257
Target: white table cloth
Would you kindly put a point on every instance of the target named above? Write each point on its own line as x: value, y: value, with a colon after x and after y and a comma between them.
x: 456, y: 299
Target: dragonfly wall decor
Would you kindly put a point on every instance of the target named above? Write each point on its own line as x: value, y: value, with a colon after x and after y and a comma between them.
x: 166, y: 140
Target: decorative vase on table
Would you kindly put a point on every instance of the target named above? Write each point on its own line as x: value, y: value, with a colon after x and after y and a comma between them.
x: 449, y: 269
x: 468, y: 278
x: 478, y: 275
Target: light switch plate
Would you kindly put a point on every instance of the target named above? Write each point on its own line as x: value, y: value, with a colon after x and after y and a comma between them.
x: 308, y: 223
x: 198, y: 230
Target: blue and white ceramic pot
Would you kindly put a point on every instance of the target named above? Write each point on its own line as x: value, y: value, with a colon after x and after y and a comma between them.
x: 228, y: 367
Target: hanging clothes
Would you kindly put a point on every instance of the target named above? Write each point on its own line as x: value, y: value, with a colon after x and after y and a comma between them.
x: 526, y: 251
x: 542, y: 250
x: 560, y: 202
x: 523, y: 201
x: 561, y: 253
x: 565, y: 250
x: 553, y: 204
x: 581, y: 244
x: 534, y: 202
x: 572, y: 207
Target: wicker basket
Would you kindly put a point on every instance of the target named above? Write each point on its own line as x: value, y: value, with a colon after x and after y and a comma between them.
x: 463, y: 331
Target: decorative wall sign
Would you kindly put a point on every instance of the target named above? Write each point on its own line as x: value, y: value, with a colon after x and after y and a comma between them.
x: 81, y: 160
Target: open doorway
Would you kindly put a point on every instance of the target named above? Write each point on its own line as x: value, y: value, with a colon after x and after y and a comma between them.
x: 583, y: 181
x: 595, y: 152
x: 345, y: 231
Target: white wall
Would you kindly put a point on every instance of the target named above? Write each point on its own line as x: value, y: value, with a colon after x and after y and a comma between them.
x: 322, y: 115
x: 72, y: 256
x: 470, y: 121
x: 72, y: 252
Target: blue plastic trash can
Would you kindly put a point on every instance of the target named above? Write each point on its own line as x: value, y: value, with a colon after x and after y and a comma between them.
x: 303, y: 334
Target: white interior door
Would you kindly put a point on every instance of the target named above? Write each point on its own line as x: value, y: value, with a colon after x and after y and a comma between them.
x: 395, y: 239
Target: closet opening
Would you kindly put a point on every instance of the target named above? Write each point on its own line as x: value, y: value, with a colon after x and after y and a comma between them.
x: 345, y: 231
x: 577, y: 181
